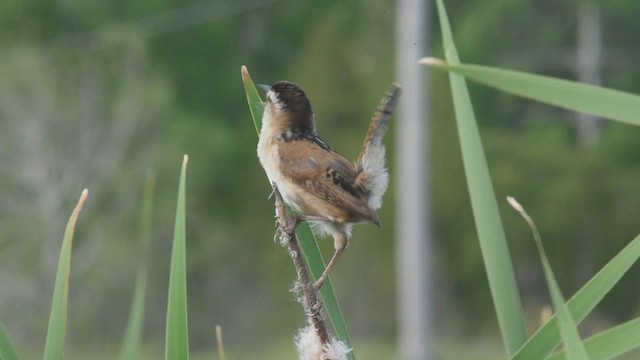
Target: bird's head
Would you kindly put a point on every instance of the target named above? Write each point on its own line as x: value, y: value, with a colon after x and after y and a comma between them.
x: 288, y: 107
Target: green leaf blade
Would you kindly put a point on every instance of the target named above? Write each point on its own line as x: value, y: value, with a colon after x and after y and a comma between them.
x: 607, y: 103
x: 177, y: 337
x: 7, y: 350
x: 610, y: 343
x: 568, y: 331
x: 308, y: 243
x: 133, y: 333
x: 493, y: 243
x: 57, y: 329
x: 582, y: 303
x: 256, y: 106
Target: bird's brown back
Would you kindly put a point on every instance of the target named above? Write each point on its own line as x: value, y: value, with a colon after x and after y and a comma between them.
x: 326, y: 178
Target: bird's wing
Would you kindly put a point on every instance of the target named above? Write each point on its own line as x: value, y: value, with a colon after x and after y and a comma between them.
x: 370, y: 167
x: 325, y: 175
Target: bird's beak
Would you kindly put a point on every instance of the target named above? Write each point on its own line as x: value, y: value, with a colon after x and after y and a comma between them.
x: 264, y: 87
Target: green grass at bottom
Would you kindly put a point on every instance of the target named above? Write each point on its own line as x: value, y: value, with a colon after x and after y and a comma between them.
x: 477, y: 348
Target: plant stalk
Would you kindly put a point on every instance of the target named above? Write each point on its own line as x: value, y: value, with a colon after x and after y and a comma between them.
x: 310, y: 300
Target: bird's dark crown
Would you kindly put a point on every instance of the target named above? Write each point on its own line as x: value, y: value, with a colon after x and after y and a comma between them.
x: 289, y: 98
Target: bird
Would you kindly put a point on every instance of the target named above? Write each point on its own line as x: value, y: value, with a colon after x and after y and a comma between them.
x: 323, y: 187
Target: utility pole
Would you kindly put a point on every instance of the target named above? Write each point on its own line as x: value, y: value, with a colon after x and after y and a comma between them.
x: 413, y: 212
x: 588, y: 67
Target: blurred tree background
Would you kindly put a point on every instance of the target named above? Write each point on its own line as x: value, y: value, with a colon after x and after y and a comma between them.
x: 96, y: 94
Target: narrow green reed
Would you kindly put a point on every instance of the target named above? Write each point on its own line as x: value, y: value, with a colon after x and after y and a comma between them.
x: 57, y: 330
x: 493, y: 243
x: 7, y: 350
x: 135, y: 324
x: 177, y: 336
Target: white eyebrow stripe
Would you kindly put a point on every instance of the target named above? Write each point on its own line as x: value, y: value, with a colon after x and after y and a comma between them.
x: 275, y: 100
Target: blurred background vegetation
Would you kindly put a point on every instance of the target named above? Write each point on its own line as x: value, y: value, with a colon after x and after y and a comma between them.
x: 96, y: 94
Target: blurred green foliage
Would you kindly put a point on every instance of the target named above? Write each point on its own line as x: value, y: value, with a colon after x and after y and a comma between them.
x: 100, y: 92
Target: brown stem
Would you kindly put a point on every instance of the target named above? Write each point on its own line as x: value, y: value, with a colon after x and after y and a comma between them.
x: 310, y: 301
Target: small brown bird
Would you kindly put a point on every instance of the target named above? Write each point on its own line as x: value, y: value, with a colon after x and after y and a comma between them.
x: 325, y: 188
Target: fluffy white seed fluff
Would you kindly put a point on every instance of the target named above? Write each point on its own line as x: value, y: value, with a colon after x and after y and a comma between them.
x: 309, y: 346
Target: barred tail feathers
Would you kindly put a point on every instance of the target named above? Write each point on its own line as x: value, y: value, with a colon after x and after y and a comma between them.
x: 371, y: 167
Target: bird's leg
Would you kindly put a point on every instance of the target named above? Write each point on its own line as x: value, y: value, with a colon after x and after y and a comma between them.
x: 340, y: 243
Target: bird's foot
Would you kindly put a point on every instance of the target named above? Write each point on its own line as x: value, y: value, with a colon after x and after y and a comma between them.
x: 314, y: 309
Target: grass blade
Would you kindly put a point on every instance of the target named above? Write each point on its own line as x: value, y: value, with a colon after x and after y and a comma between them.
x: 56, y: 332
x: 582, y: 303
x: 308, y: 243
x: 256, y: 106
x: 610, y: 343
x: 7, y: 351
x: 221, y: 353
x: 177, y: 337
x: 607, y: 103
x: 133, y: 333
x: 493, y: 243
x: 573, y: 345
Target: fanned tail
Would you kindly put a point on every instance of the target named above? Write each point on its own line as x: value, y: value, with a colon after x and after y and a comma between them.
x: 370, y: 166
